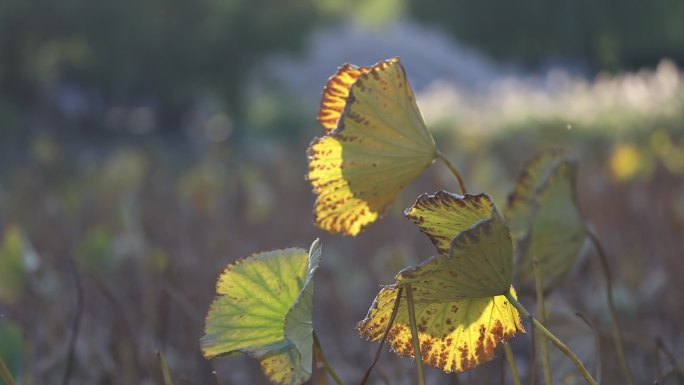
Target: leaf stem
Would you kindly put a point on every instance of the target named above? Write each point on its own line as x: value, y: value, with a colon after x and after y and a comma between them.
x: 617, y: 331
x: 216, y: 379
x: 414, y: 333
x: 76, y: 325
x: 541, y: 315
x: 326, y: 364
x: 597, y: 337
x: 510, y: 358
x: 660, y: 346
x: 554, y: 340
x: 166, y: 373
x: 5, y: 373
x: 395, y: 309
x: 453, y: 170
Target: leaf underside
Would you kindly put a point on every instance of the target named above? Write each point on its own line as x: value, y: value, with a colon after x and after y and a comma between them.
x: 443, y: 215
x: 379, y: 146
x: 557, y: 232
x: 461, y: 311
x: 263, y: 309
x: 534, y: 173
x: 335, y: 95
x: 455, y: 336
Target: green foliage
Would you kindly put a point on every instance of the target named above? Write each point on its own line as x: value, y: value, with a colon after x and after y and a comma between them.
x: 95, y: 252
x: 608, y: 35
x: 556, y: 234
x: 131, y: 51
x: 464, y: 302
x: 544, y: 217
x: 263, y: 308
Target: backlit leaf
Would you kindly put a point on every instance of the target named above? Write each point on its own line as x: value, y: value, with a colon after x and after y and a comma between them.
x: 479, y: 264
x: 557, y: 233
x: 335, y: 94
x: 444, y: 215
x: 535, y: 172
x: 461, y: 311
x: 263, y: 309
x: 379, y: 146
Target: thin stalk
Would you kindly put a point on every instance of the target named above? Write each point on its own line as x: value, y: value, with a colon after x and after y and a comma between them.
x: 76, y: 325
x: 166, y: 373
x: 597, y: 337
x: 502, y: 374
x: 660, y: 345
x: 533, y: 354
x: 5, y: 373
x: 414, y: 333
x: 453, y: 170
x: 541, y: 315
x: 617, y: 331
x: 508, y: 352
x: 554, y: 340
x: 216, y: 379
x: 395, y: 309
x: 326, y: 364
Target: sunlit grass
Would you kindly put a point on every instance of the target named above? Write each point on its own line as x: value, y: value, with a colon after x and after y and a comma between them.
x: 610, y: 103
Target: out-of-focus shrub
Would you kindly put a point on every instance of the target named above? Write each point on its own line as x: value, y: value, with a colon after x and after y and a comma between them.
x: 164, y: 54
x: 601, y: 33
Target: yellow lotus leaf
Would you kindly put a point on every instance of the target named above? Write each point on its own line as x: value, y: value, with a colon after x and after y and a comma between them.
x: 557, y: 232
x: 461, y: 310
x: 335, y: 95
x: 443, y: 215
x: 379, y: 146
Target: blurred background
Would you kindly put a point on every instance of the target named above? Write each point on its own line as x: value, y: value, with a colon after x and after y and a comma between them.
x: 144, y: 145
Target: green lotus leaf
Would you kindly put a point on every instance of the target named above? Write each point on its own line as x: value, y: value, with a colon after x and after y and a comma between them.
x: 518, y: 211
x: 263, y: 308
x: 557, y: 232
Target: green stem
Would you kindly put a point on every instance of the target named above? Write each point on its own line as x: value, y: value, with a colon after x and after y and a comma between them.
x: 166, y: 374
x: 326, y: 364
x: 414, y: 334
x: 597, y: 337
x: 453, y: 170
x: 5, y: 373
x: 617, y: 331
x: 554, y: 340
x: 508, y: 352
x: 395, y: 309
x: 660, y: 345
x: 541, y: 315
x: 216, y: 379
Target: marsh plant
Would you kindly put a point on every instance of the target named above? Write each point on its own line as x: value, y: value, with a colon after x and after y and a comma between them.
x: 453, y: 310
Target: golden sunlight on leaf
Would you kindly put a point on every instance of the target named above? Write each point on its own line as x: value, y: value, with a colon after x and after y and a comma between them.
x: 335, y: 95
x: 443, y: 215
x: 461, y: 311
x: 380, y: 144
x: 263, y: 308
